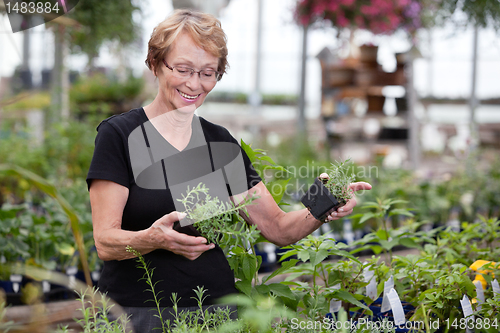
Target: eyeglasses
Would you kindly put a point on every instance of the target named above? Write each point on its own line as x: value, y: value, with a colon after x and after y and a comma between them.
x: 182, y: 72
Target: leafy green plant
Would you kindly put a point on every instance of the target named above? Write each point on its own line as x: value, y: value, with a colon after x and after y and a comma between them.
x: 274, y: 176
x: 339, y: 181
x: 95, y: 309
x: 386, y: 237
x: 442, y: 301
x: 148, y: 277
x: 200, y: 320
x: 50, y: 190
x: 490, y: 309
x: 314, y: 298
x: 260, y: 314
x: 413, y: 275
x: 214, y: 218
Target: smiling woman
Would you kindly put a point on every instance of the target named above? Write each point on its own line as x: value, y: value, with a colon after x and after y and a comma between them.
x: 146, y: 159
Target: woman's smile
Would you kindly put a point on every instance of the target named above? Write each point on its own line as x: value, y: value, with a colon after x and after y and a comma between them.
x: 187, y: 97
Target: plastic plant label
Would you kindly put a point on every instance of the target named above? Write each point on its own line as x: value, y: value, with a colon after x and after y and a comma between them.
x: 480, y: 294
x: 495, y: 287
x: 467, y: 309
x: 71, y: 273
x: 95, y: 275
x: 16, y: 280
x: 388, y: 285
x: 335, y: 304
x: 397, y: 307
x: 45, y: 286
x: 371, y: 287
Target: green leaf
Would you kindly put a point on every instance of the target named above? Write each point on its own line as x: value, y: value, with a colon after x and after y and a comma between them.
x: 389, y: 245
x: 277, y: 188
x: 317, y: 257
x: 245, y: 287
x: 248, y: 266
x: 401, y: 211
x: 366, y: 217
x: 382, y: 234
x: 348, y: 297
x: 393, y: 202
x: 370, y: 204
x: 287, y: 254
x: 284, y: 267
x: 263, y: 289
x: 303, y: 255
x: 65, y: 249
x: 281, y: 290
x: 408, y: 242
x: 342, y: 253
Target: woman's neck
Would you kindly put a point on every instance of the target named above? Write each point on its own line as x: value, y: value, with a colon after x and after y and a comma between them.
x: 173, y: 125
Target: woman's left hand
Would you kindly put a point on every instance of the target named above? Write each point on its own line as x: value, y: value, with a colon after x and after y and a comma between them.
x: 348, y: 207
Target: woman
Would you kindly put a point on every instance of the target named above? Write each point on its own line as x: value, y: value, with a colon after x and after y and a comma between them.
x: 187, y: 53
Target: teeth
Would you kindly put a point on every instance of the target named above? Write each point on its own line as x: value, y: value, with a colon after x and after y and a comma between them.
x: 188, y: 96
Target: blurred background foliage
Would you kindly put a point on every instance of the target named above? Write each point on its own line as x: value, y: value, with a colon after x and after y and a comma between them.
x: 100, y: 21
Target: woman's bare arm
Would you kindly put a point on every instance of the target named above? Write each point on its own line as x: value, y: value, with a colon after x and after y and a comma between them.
x: 283, y: 228
x: 108, y: 200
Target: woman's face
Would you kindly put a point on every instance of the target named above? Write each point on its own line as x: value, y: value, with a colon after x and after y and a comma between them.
x: 185, y: 92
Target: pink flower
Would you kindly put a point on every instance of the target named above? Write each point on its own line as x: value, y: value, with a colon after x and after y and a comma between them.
x: 379, y: 16
x: 347, y: 3
x: 304, y: 20
x: 333, y: 6
x: 394, y: 21
x: 360, y: 23
x: 342, y: 21
x: 319, y: 8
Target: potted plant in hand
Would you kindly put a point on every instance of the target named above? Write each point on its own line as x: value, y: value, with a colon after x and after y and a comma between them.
x: 329, y: 192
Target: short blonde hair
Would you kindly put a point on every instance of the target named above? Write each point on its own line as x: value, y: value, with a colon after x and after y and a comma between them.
x: 204, y: 29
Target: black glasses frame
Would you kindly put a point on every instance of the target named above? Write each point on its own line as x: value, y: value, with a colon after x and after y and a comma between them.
x: 217, y: 74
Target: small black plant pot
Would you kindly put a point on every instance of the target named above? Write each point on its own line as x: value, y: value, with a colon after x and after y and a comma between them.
x: 320, y: 201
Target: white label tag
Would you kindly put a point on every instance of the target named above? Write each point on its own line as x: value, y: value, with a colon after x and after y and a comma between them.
x: 16, y: 280
x: 467, y: 309
x: 95, y: 275
x: 371, y: 287
x: 388, y: 285
x: 335, y: 304
x: 480, y: 294
x: 397, y: 307
x: 45, y: 286
x: 495, y: 286
x: 72, y: 270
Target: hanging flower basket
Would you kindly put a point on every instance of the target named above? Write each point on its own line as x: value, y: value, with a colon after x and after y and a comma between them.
x: 377, y: 16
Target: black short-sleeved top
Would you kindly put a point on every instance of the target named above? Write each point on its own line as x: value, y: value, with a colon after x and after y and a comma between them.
x: 121, y: 280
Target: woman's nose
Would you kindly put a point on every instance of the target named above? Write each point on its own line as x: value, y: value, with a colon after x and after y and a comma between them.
x: 194, y: 81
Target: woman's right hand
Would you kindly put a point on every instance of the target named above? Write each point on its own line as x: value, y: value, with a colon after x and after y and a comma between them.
x: 162, y: 233
x: 108, y: 200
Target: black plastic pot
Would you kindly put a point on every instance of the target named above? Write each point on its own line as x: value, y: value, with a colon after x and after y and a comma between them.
x: 320, y: 201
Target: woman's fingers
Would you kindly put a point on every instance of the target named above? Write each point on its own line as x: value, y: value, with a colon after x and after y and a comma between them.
x: 360, y: 186
x: 188, y: 246
x: 170, y: 218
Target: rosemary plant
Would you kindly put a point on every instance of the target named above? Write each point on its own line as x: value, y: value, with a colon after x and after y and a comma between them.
x: 95, y: 310
x: 197, y: 321
x: 339, y: 181
x: 148, y: 277
x: 217, y: 221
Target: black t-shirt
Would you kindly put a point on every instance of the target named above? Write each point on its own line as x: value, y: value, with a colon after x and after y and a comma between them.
x: 121, y: 280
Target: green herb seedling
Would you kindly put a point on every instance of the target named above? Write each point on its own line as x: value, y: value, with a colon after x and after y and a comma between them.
x: 339, y: 180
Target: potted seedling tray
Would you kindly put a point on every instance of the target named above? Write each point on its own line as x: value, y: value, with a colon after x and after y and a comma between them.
x: 327, y: 194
